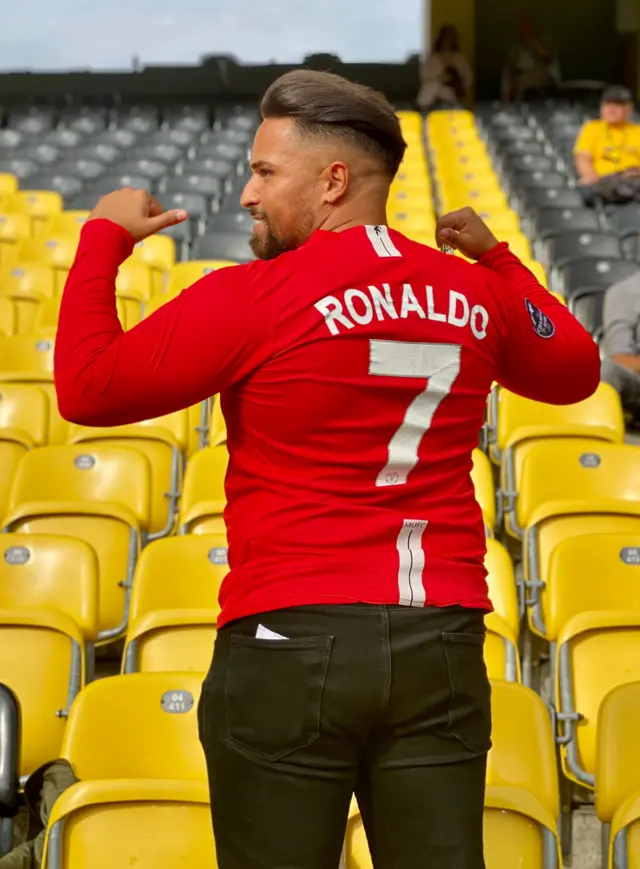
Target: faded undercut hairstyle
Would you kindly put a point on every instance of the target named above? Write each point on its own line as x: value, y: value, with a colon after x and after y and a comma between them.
x: 324, y: 104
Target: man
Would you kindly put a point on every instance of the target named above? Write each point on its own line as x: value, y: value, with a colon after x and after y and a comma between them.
x: 354, y: 365
x: 621, y: 342
x: 607, y: 151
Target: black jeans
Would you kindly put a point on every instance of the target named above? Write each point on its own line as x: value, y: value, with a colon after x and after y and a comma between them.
x: 389, y: 702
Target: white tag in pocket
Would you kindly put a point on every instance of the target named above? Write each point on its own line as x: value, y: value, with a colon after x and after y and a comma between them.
x: 265, y: 634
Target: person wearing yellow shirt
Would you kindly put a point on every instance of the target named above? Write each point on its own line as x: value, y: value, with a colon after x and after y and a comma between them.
x: 610, y: 146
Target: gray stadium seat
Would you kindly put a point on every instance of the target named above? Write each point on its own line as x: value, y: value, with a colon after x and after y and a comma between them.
x: 63, y: 139
x: 230, y: 221
x: 159, y: 152
x: 67, y: 185
x: 625, y: 219
x: 122, y: 139
x: 222, y: 151
x: 536, y: 180
x: 115, y: 181
x: 183, y: 138
x: 43, y: 154
x: 235, y: 137
x: 87, y: 170
x: 10, y: 139
x: 578, y: 245
x: 207, y: 185
x: 552, y: 197
x: 100, y: 151
x: 556, y: 221
x: 22, y: 169
x: 153, y: 170
x: 224, y: 245
x: 85, y: 201
x: 529, y: 163
x: 196, y: 204
x: 593, y: 274
x: 218, y: 168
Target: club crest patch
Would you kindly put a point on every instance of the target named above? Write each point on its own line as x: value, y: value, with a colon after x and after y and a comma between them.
x: 542, y: 325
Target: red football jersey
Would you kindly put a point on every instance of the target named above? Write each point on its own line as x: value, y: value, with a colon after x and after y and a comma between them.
x: 354, y: 374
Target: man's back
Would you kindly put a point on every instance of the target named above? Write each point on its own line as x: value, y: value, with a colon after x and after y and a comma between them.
x: 354, y: 373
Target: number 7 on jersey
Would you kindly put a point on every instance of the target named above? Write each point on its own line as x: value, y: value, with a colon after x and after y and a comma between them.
x: 440, y: 365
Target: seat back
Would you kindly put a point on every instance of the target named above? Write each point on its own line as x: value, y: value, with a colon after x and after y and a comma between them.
x: 26, y: 284
x: 605, y: 567
x: 203, y: 496
x: 11, y: 453
x: 14, y: 228
x: 135, y: 280
x: 42, y: 662
x: 57, y: 573
x: 26, y: 357
x: 482, y: 478
x: 599, y: 416
x: 179, y: 573
x: 145, y: 724
x: 597, y: 652
x: 76, y: 474
x: 617, y: 749
x: 502, y: 584
x: 523, y: 751
x: 37, y: 204
x: 573, y: 475
x: 24, y: 413
x: 65, y: 222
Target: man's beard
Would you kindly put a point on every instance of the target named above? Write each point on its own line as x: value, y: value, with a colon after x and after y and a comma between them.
x: 266, y: 245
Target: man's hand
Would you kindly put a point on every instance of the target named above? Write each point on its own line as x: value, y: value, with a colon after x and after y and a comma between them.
x: 137, y: 211
x: 465, y: 231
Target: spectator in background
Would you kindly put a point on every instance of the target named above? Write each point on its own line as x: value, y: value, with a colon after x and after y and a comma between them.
x: 446, y: 74
x: 621, y: 342
x: 531, y: 65
x: 607, y: 151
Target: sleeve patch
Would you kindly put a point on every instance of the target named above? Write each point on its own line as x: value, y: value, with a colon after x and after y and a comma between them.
x: 542, y: 325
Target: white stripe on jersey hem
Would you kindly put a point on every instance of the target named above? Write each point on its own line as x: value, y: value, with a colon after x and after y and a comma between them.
x: 411, y: 591
x: 381, y: 240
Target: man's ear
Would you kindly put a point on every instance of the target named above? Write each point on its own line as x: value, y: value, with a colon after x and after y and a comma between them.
x: 336, y: 180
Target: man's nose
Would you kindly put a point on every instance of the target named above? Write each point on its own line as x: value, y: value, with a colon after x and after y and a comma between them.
x: 249, y: 197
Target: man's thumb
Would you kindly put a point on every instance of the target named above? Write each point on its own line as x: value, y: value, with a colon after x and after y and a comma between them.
x: 167, y: 218
x: 449, y: 235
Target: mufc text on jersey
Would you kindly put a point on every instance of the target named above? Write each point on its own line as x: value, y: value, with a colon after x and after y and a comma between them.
x: 360, y: 307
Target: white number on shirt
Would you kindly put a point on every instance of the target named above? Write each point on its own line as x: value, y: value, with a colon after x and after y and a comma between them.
x: 440, y: 365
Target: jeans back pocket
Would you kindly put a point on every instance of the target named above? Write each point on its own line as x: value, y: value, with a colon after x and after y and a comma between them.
x: 470, y: 706
x: 273, y: 693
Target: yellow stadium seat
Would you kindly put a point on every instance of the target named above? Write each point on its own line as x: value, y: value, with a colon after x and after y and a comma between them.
x: 172, y: 621
x: 572, y: 487
x: 8, y: 184
x: 182, y: 275
x: 29, y: 359
x: 42, y: 660
x: 159, y: 253
x: 412, y: 221
x: 501, y: 649
x: 482, y: 477
x: 538, y: 270
x: 502, y: 584
x: 14, y: 229
x: 603, y: 566
x: 97, y: 494
x: 64, y: 223
x: 501, y: 222
x: 135, y: 280
x: 218, y: 427
x: 520, y: 422
x: 24, y: 414
x: 518, y: 243
x: 27, y: 284
x: 596, y: 652
x: 50, y: 573
x: 38, y: 205
x: 521, y: 801
x: 56, y: 251
x: 147, y: 781
x: 618, y: 773
x: 480, y: 200
x: 8, y: 317
x: 146, y: 726
x: 104, y: 824
x: 164, y: 442
x: 410, y: 200
x: 203, y: 496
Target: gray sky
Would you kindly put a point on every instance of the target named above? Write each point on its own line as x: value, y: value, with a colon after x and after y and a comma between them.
x: 63, y: 34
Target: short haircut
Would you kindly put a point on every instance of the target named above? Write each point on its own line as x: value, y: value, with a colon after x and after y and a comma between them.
x: 324, y: 104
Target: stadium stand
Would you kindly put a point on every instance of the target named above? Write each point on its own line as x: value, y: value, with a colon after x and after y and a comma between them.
x: 138, y: 510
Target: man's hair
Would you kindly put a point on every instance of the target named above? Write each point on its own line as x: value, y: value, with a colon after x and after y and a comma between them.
x: 323, y: 104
